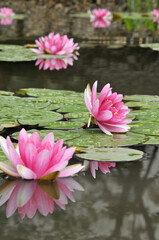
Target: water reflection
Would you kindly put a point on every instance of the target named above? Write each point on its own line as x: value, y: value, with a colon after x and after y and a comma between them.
x: 101, y: 23
x: 28, y: 197
x: 53, y: 64
x: 6, y: 21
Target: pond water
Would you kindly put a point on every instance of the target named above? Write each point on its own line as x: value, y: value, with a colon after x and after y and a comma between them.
x: 121, y: 205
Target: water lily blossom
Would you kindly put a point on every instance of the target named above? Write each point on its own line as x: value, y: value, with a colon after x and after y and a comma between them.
x: 155, y: 13
x: 103, y: 166
x: 36, y: 159
x: 100, y: 18
x: 6, y: 12
x: 56, y: 44
x: 107, y: 111
x: 28, y: 197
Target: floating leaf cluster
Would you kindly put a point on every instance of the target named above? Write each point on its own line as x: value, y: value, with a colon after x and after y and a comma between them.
x: 64, y: 113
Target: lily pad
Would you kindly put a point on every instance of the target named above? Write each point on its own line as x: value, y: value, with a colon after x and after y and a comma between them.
x: 111, y: 154
x: 12, y: 53
x: 15, y: 16
x: 97, y: 138
x: 153, y: 46
x: 147, y: 131
x: 142, y: 98
x: 154, y: 140
x: 58, y: 134
x: 143, y: 105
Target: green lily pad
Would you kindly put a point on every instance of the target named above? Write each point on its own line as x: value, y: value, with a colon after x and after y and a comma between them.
x: 5, y: 93
x: 68, y: 125
x: 38, y: 117
x: 142, y: 98
x: 136, y: 15
x: 145, y: 114
x: 147, y: 131
x: 143, y: 105
x: 153, y: 140
x: 58, y: 134
x: 111, y: 154
x: 12, y: 53
x: 15, y: 16
x: 97, y: 138
x: 153, y: 46
x: 42, y: 92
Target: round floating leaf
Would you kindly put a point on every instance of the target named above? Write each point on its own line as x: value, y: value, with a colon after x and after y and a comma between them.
x: 143, y: 124
x: 63, y: 125
x: 111, y: 154
x: 73, y: 108
x: 97, y: 138
x: 142, y: 98
x: 42, y: 92
x: 5, y: 93
x: 148, y: 115
x: 153, y: 140
x: 38, y: 117
x: 143, y: 105
x: 11, y: 53
x: 153, y: 46
x: 135, y: 15
x: 80, y: 15
x: 58, y: 134
x: 15, y: 16
x: 147, y: 131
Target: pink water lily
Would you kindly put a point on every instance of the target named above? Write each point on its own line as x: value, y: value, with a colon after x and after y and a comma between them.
x: 100, y: 13
x: 36, y: 159
x: 107, y: 111
x: 155, y: 13
x: 6, y: 12
x: 52, y: 64
x: 28, y: 197
x: 56, y: 44
x: 103, y: 166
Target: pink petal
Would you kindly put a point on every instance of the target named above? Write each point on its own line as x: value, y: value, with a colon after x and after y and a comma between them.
x: 48, y: 138
x: 104, y: 115
x: 95, y: 108
x: 42, y: 162
x: 104, y: 92
x: 71, y: 170
x: 104, y: 129
x: 94, y: 92
x: 8, y: 170
x: 4, y: 146
x: 58, y: 167
x: 30, y: 155
x: 25, y: 172
x: 68, y: 154
x: 22, y: 140
x: 87, y: 98
x: 14, y: 157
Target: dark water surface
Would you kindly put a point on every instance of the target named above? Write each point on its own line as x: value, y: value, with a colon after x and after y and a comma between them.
x: 122, y: 205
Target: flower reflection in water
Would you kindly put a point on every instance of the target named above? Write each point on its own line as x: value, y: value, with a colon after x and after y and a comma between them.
x: 6, y: 21
x: 103, y: 166
x: 101, y: 23
x: 53, y: 64
x: 30, y: 196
